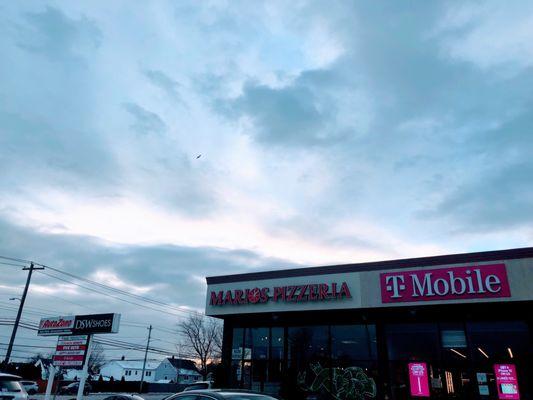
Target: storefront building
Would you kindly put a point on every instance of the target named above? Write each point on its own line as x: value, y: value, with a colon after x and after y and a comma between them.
x: 447, y: 327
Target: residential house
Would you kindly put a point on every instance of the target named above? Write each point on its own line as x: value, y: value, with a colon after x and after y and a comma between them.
x: 186, y: 371
x: 155, y: 370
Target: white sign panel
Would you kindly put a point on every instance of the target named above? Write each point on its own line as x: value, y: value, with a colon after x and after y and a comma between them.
x: 70, y: 351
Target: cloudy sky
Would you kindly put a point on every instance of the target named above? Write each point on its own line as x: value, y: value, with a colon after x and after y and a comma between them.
x: 148, y: 145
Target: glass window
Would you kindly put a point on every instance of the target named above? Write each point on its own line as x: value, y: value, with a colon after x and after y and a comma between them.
x: 237, y: 345
x: 352, y: 342
x: 277, y: 343
x: 498, y: 341
x: 308, y: 343
x: 412, y: 341
x: 8, y: 385
x: 257, y: 340
x: 309, y: 356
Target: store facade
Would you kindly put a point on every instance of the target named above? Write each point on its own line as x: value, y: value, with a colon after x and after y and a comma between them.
x: 446, y: 327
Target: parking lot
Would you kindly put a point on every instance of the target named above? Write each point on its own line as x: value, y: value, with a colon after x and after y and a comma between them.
x: 101, y: 396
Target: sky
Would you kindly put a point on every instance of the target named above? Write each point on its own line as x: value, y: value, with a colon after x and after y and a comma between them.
x: 149, y: 145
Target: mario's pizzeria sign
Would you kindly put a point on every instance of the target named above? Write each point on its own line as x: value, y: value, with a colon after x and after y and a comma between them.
x: 281, y: 294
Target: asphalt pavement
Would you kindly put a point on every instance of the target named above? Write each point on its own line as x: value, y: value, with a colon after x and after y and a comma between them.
x: 101, y: 396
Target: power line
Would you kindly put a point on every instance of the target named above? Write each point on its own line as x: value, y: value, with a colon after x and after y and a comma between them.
x: 16, y: 259
x: 110, y: 288
x: 11, y: 264
x: 110, y: 295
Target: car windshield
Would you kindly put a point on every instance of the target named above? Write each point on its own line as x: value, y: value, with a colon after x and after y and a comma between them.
x: 9, y: 385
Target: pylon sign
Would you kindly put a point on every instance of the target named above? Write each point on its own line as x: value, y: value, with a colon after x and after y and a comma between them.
x: 71, y: 351
x: 79, y: 324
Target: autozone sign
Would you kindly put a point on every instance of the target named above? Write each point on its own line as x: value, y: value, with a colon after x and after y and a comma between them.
x: 452, y: 283
x: 79, y: 324
x: 70, y: 351
x: 56, y: 325
x: 284, y: 294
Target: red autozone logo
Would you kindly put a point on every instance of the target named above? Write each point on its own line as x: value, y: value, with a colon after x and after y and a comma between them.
x: 485, y: 281
x: 57, y: 323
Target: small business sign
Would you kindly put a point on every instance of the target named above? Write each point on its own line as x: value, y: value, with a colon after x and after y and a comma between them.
x: 418, y: 379
x: 452, y: 283
x: 56, y: 326
x: 281, y: 294
x: 79, y: 324
x: 506, y: 382
x: 70, y: 351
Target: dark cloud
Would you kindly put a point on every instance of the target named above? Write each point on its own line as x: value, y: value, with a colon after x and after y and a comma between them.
x: 300, y: 114
x: 54, y: 35
x: 145, y: 121
x: 500, y: 199
x: 177, y: 272
x: 34, y: 152
x: 498, y: 194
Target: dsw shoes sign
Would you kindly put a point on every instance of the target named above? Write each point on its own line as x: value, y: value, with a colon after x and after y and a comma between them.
x: 454, y: 283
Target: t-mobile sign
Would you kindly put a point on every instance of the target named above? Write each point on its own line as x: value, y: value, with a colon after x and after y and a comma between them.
x: 452, y: 283
x: 506, y: 381
x: 418, y: 379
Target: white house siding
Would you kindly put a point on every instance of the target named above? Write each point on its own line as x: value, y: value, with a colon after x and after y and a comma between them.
x: 186, y: 376
x: 166, y: 371
x: 130, y: 370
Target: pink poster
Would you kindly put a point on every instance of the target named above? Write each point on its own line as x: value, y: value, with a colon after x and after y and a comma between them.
x: 506, y: 381
x: 418, y: 379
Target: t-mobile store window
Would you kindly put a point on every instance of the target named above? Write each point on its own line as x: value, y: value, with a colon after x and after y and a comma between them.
x: 504, y: 344
x: 460, y: 359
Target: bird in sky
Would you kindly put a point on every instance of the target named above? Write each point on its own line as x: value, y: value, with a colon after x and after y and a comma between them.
x: 198, y: 156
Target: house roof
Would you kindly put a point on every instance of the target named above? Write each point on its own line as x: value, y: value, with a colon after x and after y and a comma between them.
x: 183, y: 364
x: 183, y: 371
x: 150, y: 364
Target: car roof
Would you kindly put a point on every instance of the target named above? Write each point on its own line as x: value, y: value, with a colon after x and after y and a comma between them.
x: 222, y: 393
x: 9, y: 376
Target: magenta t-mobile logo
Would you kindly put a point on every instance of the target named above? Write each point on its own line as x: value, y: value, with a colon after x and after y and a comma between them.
x: 395, y: 284
x: 482, y: 281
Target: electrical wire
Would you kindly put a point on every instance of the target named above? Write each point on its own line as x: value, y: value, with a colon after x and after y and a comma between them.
x: 106, y: 287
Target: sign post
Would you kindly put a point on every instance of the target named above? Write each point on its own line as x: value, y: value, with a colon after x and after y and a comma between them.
x: 51, y: 376
x: 84, y: 371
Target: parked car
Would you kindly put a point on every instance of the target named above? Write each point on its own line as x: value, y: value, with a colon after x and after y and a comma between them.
x: 11, y: 388
x: 30, y: 386
x: 220, y: 394
x: 199, y: 386
x: 72, y: 388
x: 124, y: 397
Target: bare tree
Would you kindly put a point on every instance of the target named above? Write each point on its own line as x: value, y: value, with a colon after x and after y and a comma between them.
x: 202, y: 336
x: 97, y: 358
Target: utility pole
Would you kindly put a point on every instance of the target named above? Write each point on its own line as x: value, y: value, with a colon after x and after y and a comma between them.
x: 145, y: 356
x: 30, y: 270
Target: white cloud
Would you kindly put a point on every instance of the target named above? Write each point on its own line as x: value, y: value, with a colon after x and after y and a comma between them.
x: 490, y: 34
